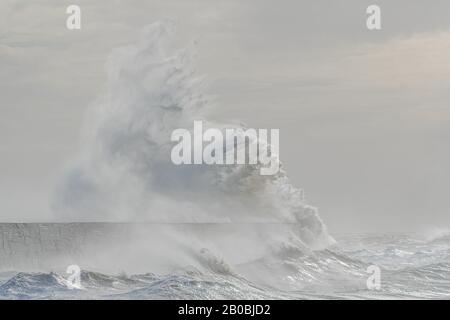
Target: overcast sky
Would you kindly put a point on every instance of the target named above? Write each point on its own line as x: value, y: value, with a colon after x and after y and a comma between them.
x: 364, y: 116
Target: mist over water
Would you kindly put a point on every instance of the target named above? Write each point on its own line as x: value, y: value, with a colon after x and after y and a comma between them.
x: 192, y: 231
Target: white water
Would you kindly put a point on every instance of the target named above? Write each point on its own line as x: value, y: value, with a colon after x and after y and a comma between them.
x: 411, y: 267
x: 125, y: 173
x: 205, y: 231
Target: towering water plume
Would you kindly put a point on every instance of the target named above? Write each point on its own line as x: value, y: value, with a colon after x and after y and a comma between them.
x: 125, y: 173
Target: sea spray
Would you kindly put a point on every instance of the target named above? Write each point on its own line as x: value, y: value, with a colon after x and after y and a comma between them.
x: 125, y: 173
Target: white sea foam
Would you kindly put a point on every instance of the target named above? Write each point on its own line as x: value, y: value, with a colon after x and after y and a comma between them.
x: 322, y: 274
x: 202, y: 231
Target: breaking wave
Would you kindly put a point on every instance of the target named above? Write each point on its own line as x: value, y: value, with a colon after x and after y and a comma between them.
x: 125, y: 174
x: 204, y: 232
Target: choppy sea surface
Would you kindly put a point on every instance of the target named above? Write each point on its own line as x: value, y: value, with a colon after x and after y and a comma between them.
x: 210, y: 232
x: 411, y: 267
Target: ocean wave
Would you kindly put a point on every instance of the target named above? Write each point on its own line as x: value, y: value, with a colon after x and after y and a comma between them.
x: 124, y: 172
